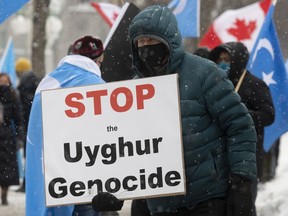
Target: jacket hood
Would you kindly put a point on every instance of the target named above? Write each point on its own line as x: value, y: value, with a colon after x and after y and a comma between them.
x: 157, y: 22
x: 239, y: 58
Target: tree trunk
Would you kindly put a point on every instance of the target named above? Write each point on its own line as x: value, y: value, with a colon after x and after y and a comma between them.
x: 40, y: 14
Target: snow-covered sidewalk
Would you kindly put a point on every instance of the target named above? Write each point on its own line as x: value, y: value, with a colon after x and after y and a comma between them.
x: 16, y: 205
x: 272, y: 199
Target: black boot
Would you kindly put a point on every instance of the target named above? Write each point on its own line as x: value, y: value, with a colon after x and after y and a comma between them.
x: 4, y: 192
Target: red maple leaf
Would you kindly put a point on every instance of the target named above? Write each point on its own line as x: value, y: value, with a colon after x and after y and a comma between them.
x: 242, y: 30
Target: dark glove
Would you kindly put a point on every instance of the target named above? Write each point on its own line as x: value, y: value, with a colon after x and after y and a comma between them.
x: 240, y: 200
x: 104, y: 201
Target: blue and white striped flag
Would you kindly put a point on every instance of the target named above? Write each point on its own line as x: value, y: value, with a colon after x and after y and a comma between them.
x: 74, y: 70
x: 187, y: 14
x: 267, y: 63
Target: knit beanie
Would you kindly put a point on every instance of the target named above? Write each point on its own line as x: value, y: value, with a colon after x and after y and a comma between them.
x: 88, y: 46
x: 22, y: 65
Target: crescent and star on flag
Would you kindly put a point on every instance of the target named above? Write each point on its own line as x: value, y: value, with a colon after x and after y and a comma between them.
x: 265, y: 44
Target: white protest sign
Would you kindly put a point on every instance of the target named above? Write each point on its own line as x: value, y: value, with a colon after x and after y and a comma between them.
x: 119, y: 137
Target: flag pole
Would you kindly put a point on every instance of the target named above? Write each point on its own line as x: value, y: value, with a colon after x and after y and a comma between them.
x: 5, y: 54
x: 240, y: 81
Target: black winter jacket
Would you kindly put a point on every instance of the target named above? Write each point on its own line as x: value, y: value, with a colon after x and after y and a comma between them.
x: 254, y: 92
x: 11, y: 130
x: 27, y: 87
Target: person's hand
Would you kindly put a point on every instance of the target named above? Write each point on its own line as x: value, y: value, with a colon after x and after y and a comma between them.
x: 104, y: 201
x: 240, y: 200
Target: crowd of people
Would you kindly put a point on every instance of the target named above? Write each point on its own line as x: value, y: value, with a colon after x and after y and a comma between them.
x: 224, y: 110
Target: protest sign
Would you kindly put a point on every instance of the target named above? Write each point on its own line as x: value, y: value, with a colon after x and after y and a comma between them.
x: 120, y: 137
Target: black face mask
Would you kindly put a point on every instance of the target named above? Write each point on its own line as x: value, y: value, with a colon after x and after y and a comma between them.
x: 153, y: 56
x: 4, y: 88
x: 5, y: 93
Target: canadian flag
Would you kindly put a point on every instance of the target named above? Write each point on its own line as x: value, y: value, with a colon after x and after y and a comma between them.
x: 108, y: 12
x: 241, y: 25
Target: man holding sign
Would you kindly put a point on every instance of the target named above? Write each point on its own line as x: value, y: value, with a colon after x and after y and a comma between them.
x: 79, y: 68
x: 219, y: 137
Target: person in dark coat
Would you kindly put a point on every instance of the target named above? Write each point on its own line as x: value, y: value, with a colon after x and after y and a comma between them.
x: 11, y: 133
x: 219, y: 137
x: 255, y: 94
x: 27, y: 84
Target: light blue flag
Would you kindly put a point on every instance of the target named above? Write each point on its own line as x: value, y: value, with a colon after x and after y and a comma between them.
x: 8, y: 7
x: 74, y: 70
x: 187, y: 14
x: 7, y: 63
x: 266, y: 62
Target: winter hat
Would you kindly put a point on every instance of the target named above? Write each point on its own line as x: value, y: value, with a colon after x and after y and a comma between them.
x: 22, y: 65
x: 88, y: 46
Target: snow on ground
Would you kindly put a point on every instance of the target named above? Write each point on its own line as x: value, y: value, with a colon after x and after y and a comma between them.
x: 272, y: 199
